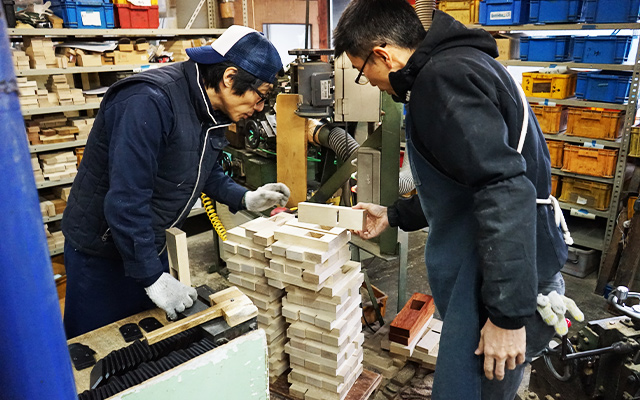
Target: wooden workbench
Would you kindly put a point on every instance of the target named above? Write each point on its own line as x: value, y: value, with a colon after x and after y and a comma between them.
x: 106, y: 339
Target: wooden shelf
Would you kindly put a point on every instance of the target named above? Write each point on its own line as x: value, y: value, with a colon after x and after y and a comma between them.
x: 65, y: 32
x: 587, y: 233
x: 558, y: 171
x: 58, y: 109
x: 55, y: 252
x: 47, y: 184
x: 580, y: 140
x: 518, y: 63
x: 57, y: 146
x: 587, y: 210
x: 51, y: 219
x: 80, y: 70
x: 555, y: 27
x: 575, y: 102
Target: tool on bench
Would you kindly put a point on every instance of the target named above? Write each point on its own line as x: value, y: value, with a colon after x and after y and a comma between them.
x: 164, y: 347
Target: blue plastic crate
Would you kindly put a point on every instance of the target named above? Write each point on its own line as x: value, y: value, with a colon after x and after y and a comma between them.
x: 610, y: 11
x: 601, y: 50
x: 550, y: 48
x: 504, y: 12
x: 606, y: 86
x: 554, y: 11
x: 85, y: 14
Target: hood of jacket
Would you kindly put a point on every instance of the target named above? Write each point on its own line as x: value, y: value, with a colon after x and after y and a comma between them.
x: 445, y: 33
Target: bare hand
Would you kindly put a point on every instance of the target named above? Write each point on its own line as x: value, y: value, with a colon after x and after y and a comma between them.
x: 501, y: 347
x: 376, y: 222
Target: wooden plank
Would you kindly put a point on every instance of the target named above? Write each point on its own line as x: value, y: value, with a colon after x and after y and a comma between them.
x: 291, y: 148
x: 407, y: 350
x: 413, y: 316
x: 612, y: 255
x: 630, y: 258
x: 330, y: 215
x: 178, y: 255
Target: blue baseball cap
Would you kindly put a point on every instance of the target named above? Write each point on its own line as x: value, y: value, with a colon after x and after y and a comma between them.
x: 245, y: 47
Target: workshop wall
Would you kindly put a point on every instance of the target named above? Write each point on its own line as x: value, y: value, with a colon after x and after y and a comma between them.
x: 280, y: 12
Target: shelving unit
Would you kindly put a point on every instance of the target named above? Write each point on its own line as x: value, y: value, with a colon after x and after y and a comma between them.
x: 17, y: 35
x: 589, y: 227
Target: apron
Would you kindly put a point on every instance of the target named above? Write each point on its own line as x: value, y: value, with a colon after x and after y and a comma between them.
x: 453, y: 268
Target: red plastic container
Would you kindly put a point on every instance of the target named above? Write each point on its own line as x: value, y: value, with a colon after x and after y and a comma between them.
x: 129, y: 16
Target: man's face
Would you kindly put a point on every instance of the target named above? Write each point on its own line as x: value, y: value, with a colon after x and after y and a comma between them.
x: 239, y: 107
x: 376, y: 71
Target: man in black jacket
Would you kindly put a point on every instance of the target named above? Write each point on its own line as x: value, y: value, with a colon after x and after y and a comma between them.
x: 480, y: 165
x: 155, y: 146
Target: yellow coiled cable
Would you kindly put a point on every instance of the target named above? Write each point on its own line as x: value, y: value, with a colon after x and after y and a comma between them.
x: 213, y: 217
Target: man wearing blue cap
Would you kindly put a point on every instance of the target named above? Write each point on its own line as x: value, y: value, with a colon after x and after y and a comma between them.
x: 153, y: 149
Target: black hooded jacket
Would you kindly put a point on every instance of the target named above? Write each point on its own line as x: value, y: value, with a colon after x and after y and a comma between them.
x: 466, y: 119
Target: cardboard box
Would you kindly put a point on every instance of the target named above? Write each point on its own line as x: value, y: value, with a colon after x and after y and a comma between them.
x: 508, y: 47
x: 89, y: 60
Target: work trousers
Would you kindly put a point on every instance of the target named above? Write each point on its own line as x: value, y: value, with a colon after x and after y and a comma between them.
x: 99, y: 293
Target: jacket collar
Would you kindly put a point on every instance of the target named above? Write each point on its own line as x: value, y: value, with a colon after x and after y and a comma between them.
x: 199, y: 99
x: 444, y: 33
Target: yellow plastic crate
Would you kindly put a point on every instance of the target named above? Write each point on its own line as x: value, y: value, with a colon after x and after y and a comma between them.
x: 555, y: 152
x: 585, y: 193
x: 588, y: 161
x: 465, y: 11
x: 552, y: 119
x: 634, y: 142
x: 153, y: 2
x: 551, y: 86
x: 595, y: 123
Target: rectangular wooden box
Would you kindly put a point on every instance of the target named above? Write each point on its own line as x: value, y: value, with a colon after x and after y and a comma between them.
x: 586, y: 193
x: 554, y: 185
x: 552, y: 119
x: 465, y: 11
x: 595, y: 123
x: 411, y: 318
x: 634, y: 142
x: 555, y: 151
x: 551, y: 86
x: 588, y: 161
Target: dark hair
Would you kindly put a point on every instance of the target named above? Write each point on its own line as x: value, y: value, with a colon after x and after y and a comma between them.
x: 243, y: 81
x: 365, y: 24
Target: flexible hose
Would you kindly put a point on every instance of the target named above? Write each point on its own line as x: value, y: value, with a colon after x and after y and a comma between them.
x: 344, y: 145
x: 405, y: 179
x: 337, y: 140
x: 213, y: 217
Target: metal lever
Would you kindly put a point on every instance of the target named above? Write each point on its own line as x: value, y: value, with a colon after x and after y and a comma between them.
x: 618, y: 298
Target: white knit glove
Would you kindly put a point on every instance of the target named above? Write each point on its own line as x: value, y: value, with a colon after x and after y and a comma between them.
x: 267, y: 196
x: 552, y: 308
x: 171, y: 295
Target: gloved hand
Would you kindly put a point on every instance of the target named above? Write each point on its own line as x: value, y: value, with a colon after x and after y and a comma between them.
x: 552, y: 308
x: 267, y: 196
x: 171, y: 295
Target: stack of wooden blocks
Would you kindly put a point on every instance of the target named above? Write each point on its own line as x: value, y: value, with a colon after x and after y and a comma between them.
x: 178, y: 48
x: 55, y: 240
x: 52, y: 205
x: 414, y: 334
x: 67, y: 96
x: 37, y: 170
x: 245, y: 249
x: 28, y: 93
x: 20, y: 60
x: 83, y: 124
x: 40, y: 52
x: 57, y: 166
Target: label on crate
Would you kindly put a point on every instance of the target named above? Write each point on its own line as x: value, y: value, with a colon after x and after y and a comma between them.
x: 581, y: 200
x: 91, y: 18
x: 140, y: 3
x: 582, y: 213
x: 592, y: 144
x: 500, y: 15
x: 325, y: 89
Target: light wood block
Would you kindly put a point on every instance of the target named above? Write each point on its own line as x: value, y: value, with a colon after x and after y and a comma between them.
x: 291, y: 148
x: 178, y: 255
x: 407, y: 350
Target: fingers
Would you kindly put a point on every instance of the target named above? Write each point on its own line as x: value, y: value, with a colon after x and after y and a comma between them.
x: 511, y: 363
x: 361, y: 206
x: 520, y: 359
x: 171, y: 315
x: 193, y: 294
x: 489, y: 364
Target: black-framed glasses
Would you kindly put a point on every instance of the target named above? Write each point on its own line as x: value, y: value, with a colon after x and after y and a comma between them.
x: 362, y: 79
x: 263, y: 97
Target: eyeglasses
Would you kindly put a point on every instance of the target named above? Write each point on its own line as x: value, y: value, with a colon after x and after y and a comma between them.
x: 263, y: 97
x: 361, y: 79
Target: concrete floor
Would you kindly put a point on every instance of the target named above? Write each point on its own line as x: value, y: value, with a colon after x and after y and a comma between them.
x: 384, y: 275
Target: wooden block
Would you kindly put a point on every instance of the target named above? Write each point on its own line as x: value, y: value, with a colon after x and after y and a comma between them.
x: 314, y: 213
x: 407, y: 350
x: 411, y: 318
x: 429, y: 341
x: 323, y: 242
x: 178, y: 255
x: 291, y: 148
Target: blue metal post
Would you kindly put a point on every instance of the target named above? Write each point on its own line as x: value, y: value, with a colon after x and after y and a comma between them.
x: 34, y: 359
